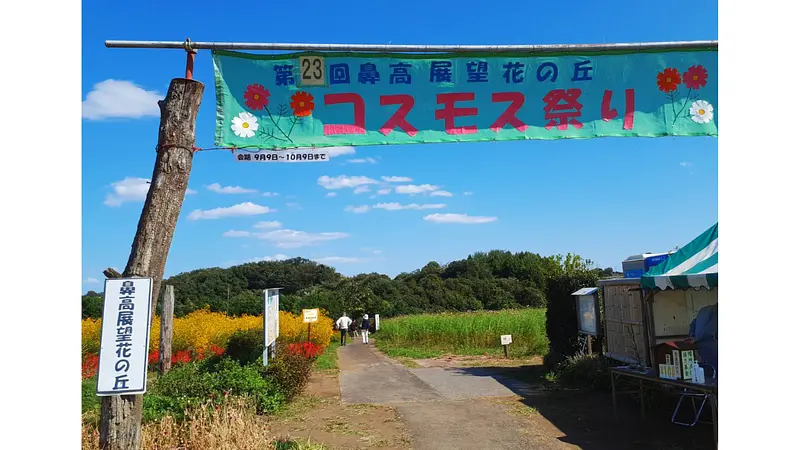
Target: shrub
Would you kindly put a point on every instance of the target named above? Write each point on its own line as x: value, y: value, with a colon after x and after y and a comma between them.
x: 212, y: 381
x: 245, y: 346
x: 156, y: 406
x: 591, y: 370
x: 290, y: 371
x: 562, y: 316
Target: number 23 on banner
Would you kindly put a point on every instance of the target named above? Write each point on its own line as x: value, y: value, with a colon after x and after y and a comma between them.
x: 312, y: 71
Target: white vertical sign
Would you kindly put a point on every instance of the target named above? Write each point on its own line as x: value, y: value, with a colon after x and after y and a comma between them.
x: 377, y: 322
x: 271, y: 308
x: 124, y: 337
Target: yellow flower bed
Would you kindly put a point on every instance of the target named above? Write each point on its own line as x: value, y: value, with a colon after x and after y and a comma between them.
x: 202, y: 328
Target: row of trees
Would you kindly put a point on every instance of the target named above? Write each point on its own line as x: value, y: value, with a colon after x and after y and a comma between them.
x: 494, y: 280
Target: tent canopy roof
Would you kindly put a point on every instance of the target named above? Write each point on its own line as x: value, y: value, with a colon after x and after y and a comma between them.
x: 693, y: 266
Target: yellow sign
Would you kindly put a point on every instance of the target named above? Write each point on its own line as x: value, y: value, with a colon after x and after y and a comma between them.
x: 310, y: 315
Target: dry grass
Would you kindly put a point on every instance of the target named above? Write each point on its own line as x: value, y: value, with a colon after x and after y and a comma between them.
x: 230, y: 427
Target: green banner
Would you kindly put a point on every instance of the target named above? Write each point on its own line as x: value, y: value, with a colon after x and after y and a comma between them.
x: 336, y: 99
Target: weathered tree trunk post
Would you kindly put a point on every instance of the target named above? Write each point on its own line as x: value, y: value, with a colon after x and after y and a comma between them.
x: 121, y: 415
x: 165, y: 345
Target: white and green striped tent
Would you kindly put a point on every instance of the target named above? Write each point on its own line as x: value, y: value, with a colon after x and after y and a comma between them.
x: 693, y: 266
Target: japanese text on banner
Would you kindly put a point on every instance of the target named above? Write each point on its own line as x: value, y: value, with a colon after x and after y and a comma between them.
x: 322, y: 100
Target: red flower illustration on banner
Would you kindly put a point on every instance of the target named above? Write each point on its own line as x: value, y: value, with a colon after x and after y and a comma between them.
x: 302, y: 104
x: 668, y: 80
x: 696, y: 77
x: 256, y: 97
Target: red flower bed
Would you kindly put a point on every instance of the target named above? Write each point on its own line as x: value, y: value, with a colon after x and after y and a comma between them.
x: 89, y: 365
x: 307, y: 349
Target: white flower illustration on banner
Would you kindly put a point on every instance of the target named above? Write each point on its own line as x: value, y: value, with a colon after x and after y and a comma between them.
x: 244, y: 125
x: 702, y: 111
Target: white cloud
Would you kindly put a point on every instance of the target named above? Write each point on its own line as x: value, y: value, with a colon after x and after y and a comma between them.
x: 343, y: 181
x: 294, y: 206
x: 190, y: 191
x: 385, y: 191
x: 458, y: 218
x: 128, y: 190
x: 294, y: 239
x: 441, y: 194
x: 216, y: 187
x: 235, y: 233
x: 340, y: 260
x: 397, y: 179
x: 267, y: 224
x: 361, y: 190
x: 339, y: 151
x: 91, y: 280
x: 362, y: 161
x: 394, y: 206
x: 331, y: 194
x: 120, y: 99
x: 242, y: 209
x: 278, y: 257
x: 270, y: 194
x: 357, y: 209
x: 468, y: 193
x: 686, y: 164
x: 415, y: 188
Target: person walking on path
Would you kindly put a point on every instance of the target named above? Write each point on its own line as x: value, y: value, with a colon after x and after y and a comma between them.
x: 343, y: 324
x: 365, y: 329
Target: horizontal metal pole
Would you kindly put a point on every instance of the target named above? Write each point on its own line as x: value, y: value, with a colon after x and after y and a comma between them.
x: 688, y: 45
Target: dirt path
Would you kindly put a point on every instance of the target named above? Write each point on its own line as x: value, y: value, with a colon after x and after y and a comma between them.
x: 449, y: 403
x: 444, y: 408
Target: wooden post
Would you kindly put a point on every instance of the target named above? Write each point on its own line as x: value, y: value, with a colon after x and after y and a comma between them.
x: 505, y: 350
x: 309, y: 331
x: 589, y: 344
x: 121, y: 415
x: 165, y: 345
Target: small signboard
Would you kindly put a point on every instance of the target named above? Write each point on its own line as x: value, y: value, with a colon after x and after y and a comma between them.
x: 587, y: 305
x: 124, y: 337
x: 505, y: 339
x: 310, y: 315
x: 290, y: 156
x: 377, y: 322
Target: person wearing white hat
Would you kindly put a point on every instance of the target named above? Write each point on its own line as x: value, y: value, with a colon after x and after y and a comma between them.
x: 365, y: 329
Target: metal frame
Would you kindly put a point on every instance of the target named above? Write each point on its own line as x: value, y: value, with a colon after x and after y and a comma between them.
x: 390, y: 48
x: 708, y: 390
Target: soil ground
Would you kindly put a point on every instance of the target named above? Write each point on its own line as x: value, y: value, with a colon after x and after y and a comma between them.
x: 469, y: 403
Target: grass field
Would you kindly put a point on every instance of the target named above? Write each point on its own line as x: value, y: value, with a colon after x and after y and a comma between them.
x: 477, y: 333
x: 328, y: 359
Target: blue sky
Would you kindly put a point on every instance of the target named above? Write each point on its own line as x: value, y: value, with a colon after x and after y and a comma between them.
x: 604, y: 199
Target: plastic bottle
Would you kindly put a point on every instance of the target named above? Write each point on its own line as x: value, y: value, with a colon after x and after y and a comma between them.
x: 701, y: 374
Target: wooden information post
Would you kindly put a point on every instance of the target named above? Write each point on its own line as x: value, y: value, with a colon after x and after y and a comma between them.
x: 121, y: 415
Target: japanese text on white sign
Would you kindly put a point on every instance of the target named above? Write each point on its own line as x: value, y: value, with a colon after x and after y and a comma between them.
x: 124, y: 337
